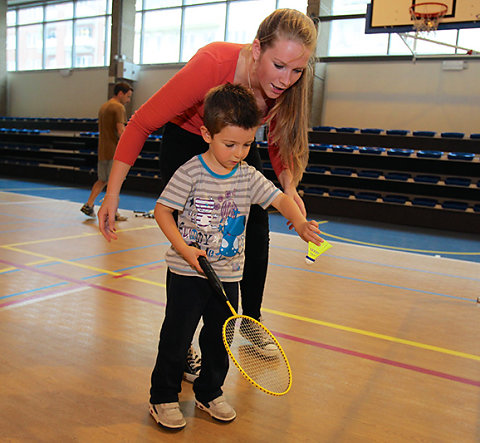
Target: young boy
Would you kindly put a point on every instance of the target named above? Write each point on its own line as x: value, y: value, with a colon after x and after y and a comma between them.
x: 213, y: 193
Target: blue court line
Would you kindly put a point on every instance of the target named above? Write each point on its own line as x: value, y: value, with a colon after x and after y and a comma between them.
x: 403, y: 288
x: 327, y: 254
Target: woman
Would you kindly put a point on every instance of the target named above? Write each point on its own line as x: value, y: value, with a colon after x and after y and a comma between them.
x: 277, y: 67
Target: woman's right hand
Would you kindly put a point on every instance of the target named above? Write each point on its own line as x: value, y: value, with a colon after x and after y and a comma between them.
x: 106, y: 216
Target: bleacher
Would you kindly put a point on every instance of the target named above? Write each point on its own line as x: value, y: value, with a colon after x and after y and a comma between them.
x: 418, y: 178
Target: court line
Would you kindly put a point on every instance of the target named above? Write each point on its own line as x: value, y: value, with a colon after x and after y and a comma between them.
x: 79, y: 265
x: 78, y: 282
x: 375, y: 335
x: 272, y: 311
x: 403, y: 288
x: 396, y: 248
x: 386, y: 361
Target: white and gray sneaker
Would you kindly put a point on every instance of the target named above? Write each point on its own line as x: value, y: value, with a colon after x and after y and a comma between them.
x: 193, y: 365
x: 259, y: 338
x: 218, y: 408
x: 168, y: 415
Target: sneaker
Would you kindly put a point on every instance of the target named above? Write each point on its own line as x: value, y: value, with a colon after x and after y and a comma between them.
x: 259, y: 338
x: 168, y: 415
x: 192, y: 365
x: 88, y: 210
x: 119, y: 217
x: 218, y: 409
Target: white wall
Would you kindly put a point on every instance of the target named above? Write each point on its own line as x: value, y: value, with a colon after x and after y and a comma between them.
x: 388, y: 95
x: 403, y: 95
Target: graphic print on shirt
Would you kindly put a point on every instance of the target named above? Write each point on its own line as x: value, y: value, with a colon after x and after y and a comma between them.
x: 232, y: 226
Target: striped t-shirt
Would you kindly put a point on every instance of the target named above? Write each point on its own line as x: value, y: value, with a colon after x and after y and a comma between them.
x: 213, y: 211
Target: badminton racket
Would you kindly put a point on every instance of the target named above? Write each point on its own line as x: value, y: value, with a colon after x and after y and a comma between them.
x: 254, y: 350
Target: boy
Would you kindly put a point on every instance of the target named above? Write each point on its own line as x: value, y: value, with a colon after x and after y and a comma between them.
x: 213, y: 193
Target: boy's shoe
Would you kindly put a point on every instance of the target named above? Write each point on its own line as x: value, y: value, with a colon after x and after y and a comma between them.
x: 218, y: 408
x: 168, y: 415
x: 119, y: 217
x: 88, y: 210
x: 192, y: 365
x: 259, y: 338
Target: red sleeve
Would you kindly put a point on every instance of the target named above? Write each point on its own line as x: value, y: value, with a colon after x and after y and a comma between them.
x: 183, y: 91
x: 277, y: 164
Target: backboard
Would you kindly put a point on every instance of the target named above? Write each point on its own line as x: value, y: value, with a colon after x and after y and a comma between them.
x: 394, y: 15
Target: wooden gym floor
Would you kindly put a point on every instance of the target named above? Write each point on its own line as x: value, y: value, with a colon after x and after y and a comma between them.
x: 384, y: 345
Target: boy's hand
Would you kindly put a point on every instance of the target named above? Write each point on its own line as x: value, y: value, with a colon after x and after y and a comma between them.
x: 190, y: 254
x: 309, y: 231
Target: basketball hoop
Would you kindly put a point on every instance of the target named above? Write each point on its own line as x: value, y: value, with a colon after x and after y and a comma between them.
x: 426, y: 16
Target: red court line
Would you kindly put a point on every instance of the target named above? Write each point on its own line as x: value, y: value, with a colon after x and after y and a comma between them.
x: 78, y: 282
x: 278, y: 334
x: 386, y: 361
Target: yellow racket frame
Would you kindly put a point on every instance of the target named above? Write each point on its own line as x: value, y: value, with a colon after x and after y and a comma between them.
x: 237, y: 364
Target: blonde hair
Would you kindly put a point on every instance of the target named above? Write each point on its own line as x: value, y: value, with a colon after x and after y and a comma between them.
x: 291, y: 111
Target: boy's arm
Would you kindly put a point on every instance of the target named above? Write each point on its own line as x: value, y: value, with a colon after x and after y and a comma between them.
x: 164, y: 217
x: 307, y: 230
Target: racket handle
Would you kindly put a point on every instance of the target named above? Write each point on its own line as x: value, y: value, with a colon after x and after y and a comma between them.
x: 210, y: 273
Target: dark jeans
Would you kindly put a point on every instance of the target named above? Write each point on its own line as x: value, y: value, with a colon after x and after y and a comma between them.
x: 179, y: 146
x: 189, y: 299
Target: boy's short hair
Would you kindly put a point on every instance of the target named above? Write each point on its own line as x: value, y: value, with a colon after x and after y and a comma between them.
x: 230, y: 105
x: 122, y: 87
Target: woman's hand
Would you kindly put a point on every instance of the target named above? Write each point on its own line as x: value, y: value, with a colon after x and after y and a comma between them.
x: 106, y: 216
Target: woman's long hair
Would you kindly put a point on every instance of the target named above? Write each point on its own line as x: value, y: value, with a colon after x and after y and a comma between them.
x: 289, y: 117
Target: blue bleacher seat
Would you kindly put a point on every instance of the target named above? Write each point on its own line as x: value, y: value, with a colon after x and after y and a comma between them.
x: 315, y: 190
x: 452, y: 134
x: 429, y: 154
x: 323, y: 128
x: 347, y: 129
x: 424, y: 133
x: 262, y: 144
x: 372, y: 196
x: 397, y: 132
x: 400, y: 152
x: 318, y: 169
x: 399, y: 176
x: 344, y: 193
x: 476, y: 208
x: 423, y: 178
x: 422, y: 201
x: 460, y: 206
x: 371, y: 131
x: 371, y: 150
x: 467, y: 156
x: 475, y: 135
x: 266, y: 165
x: 319, y: 146
x: 343, y: 171
x: 395, y: 198
x: 344, y: 148
x: 458, y: 181
x: 369, y: 173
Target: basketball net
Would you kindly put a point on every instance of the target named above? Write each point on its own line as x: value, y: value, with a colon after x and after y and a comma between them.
x: 426, y: 16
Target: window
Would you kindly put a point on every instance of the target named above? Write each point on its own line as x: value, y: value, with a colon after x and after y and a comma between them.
x: 60, y: 35
x: 171, y: 31
x: 347, y: 37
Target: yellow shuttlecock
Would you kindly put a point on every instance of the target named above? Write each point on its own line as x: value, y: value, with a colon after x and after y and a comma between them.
x: 314, y: 251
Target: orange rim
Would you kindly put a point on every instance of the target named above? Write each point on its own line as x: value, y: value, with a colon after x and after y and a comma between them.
x: 420, y: 15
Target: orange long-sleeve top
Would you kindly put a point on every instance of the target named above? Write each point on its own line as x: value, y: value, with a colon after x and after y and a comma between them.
x: 180, y: 101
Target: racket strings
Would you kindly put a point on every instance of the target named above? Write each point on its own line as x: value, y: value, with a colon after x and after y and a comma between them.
x: 257, y: 354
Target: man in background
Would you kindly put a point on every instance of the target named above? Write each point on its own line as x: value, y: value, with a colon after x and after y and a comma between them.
x: 112, y: 119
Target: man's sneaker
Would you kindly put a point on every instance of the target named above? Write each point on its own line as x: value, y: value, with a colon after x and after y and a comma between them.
x: 168, y: 415
x: 259, y: 338
x: 119, y: 217
x: 192, y: 365
x: 218, y: 409
x: 88, y: 210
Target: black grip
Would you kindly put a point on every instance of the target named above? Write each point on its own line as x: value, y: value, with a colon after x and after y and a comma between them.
x: 210, y: 273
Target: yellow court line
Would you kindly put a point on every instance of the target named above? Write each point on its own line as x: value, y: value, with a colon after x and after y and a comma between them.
x: 70, y: 237
x: 375, y: 335
x: 80, y: 265
x: 10, y: 268
x: 336, y: 237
